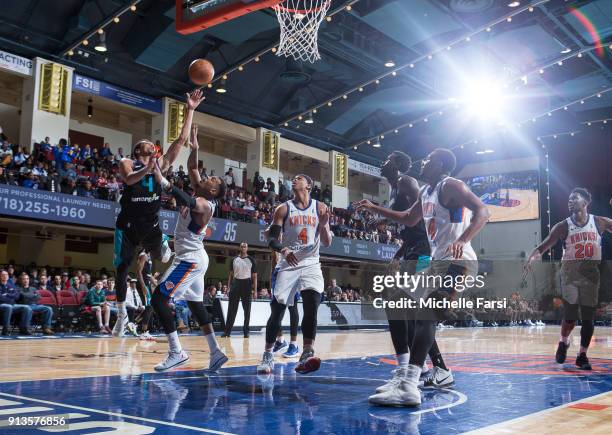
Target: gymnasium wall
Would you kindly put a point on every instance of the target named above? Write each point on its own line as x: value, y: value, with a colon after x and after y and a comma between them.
x: 116, y: 139
x: 10, y: 121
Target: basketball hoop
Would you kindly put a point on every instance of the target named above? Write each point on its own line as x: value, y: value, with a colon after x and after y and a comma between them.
x: 299, y: 24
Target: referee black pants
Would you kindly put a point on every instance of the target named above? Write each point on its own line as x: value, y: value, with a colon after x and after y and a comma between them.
x: 240, y: 292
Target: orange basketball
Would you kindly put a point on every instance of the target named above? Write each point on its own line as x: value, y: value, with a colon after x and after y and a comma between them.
x: 201, y: 72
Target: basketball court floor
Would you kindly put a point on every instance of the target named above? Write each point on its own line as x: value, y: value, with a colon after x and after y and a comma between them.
x: 506, y: 382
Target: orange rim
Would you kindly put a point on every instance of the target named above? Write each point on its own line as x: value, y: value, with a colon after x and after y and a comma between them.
x: 301, y: 11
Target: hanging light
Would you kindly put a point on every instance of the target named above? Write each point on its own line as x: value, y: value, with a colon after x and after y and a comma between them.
x: 101, y: 45
x: 309, y: 119
x: 221, y: 88
x: 89, y: 108
x: 376, y: 143
x: 389, y: 64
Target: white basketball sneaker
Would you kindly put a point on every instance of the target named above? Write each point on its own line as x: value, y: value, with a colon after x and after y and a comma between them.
x: 439, y: 378
x: 132, y: 329
x: 217, y: 359
x: 398, y: 374
x: 173, y: 361
x: 267, y: 364
x: 120, y: 324
x: 405, y: 393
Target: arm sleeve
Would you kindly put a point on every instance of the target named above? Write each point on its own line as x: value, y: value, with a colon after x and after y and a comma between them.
x: 182, y: 197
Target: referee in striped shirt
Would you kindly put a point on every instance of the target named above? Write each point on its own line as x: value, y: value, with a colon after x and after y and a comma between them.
x: 242, y: 282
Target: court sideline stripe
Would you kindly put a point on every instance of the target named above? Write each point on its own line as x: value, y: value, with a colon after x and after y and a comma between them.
x: 116, y: 414
x: 487, y: 429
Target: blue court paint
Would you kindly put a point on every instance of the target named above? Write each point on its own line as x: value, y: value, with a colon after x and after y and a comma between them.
x: 334, y: 399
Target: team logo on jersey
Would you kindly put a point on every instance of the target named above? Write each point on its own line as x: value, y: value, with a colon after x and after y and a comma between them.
x: 169, y: 285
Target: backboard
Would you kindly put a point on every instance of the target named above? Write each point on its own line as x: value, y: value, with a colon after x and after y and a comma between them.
x: 196, y: 15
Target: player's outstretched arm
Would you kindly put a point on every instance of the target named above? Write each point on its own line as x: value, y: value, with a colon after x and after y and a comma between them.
x: 462, y: 196
x: 558, y: 232
x: 324, y: 230
x: 192, y: 162
x: 129, y: 176
x: 410, y: 217
x: 193, y: 101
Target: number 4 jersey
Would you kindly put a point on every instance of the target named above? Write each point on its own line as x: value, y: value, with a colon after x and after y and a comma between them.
x: 301, y: 234
x: 582, y: 242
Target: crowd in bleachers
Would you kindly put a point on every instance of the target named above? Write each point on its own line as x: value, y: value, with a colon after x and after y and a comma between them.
x: 88, y: 172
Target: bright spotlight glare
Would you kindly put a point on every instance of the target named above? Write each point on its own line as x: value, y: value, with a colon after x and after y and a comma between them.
x: 484, y: 98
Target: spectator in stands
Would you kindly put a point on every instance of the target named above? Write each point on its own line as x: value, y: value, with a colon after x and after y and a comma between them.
x: 133, y: 302
x: 54, y: 182
x: 19, y: 157
x: 3, y: 176
x: 85, y: 153
x: 271, y: 197
x: 42, y: 281
x: 120, y: 155
x: 229, y: 179
x: 56, y: 286
x: 111, y: 295
x: 6, y: 153
x: 333, y: 289
x: 327, y: 195
x: 87, y: 190
x: 96, y: 301
x: 68, y: 186
x: 282, y: 191
x: 29, y: 296
x: 8, y: 305
x: 181, y: 313
x: 258, y: 184
x: 316, y: 192
x: 106, y: 151
x: 12, y: 278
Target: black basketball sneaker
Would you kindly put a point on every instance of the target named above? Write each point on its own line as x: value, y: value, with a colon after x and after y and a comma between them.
x: 582, y: 362
x: 561, y: 354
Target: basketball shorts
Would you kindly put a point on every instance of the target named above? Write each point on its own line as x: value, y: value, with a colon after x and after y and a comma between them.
x: 288, y: 282
x: 580, y: 282
x: 184, y: 279
x: 131, y: 237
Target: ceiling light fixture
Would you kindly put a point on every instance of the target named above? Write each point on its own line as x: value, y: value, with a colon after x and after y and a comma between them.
x: 101, y: 45
x: 376, y: 143
x: 221, y: 88
x: 389, y: 64
x: 309, y: 119
x: 514, y: 4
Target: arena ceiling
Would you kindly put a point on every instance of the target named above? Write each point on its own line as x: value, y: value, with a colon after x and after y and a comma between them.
x: 542, y: 57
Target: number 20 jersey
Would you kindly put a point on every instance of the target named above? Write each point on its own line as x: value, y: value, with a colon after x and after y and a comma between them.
x: 582, y: 242
x: 301, y: 234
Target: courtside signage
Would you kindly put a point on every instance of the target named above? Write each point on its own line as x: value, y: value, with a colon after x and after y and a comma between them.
x: 116, y: 93
x: 14, y: 63
x: 58, y: 207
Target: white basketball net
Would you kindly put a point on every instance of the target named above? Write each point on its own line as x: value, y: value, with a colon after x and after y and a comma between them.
x: 299, y: 24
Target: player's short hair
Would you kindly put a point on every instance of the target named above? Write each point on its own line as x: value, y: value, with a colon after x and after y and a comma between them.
x: 308, y: 179
x: 448, y: 159
x: 582, y: 192
x: 403, y: 161
x: 221, y: 188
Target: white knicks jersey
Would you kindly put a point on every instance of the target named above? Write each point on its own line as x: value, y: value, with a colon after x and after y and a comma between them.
x: 301, y: 234
x: 188, y: 234
x: 444, y: 226
x: 582, y: 242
